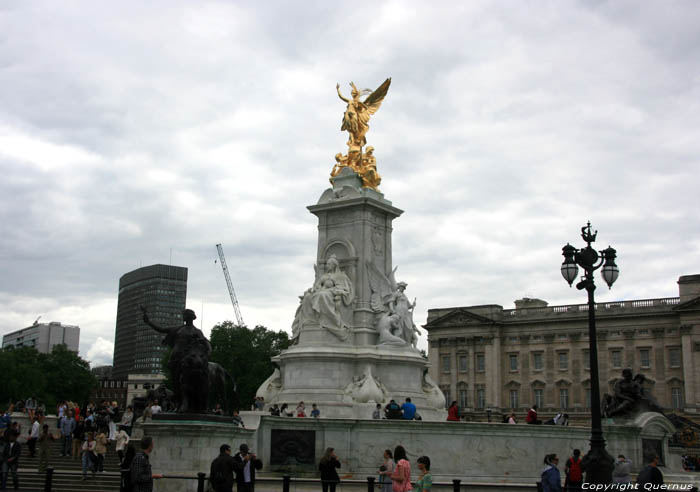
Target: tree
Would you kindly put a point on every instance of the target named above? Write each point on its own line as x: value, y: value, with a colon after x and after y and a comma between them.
x: 60, y: 375
x: 246, y: 354
x: 68, y: 375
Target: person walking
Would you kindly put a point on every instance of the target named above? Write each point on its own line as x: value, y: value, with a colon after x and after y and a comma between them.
x: 128, y: 419
x: 401, y: 477
x: 221, y: 470
x: 114, y: 415
x: 89, y: 457
x: 101, y: 451
x: 377, y: 413
x: 125, y: 484
x: 574, y: 472
x: 386, y: 470
x: 67, y: 426
x: 550, y: 476
x: 245, y: 465
x: 10, y: 461
x: 425, y: 479
x: 122, y: 439
x: 651, y: 474
x: 622, y: 470
x: 45, y: 439
x: 141, y: 473
x: 78, y: 438
x: 33, y: 436
x: 329, y: 475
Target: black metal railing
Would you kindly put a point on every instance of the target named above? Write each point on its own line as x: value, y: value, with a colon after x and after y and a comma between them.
x: 286, y: 482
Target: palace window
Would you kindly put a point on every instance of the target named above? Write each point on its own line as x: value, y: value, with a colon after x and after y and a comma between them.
x: 537, y: 361
x: 644, y: 360
x: 480, y: 397
x: 446, y: 392
x: 616, y: 358
x: 513, y: 362
x: 463, y: 363
x: 513, y: 398
x: 480, y: 363
x: 564, y: 398
x: 539, y: 397
x: 586, y: 357
x: 463, y: 399
x: 445, y: 363
x: 563, y: 360
x: 676, y: 398
x: 674, y: 357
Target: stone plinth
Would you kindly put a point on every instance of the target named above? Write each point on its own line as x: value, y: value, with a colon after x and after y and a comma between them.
x: 328, y: 376
x: 339, y: 360
x: 472, y: 452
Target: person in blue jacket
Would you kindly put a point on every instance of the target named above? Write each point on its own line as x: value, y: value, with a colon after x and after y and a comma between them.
x: 408, y: 410
x: 551, y: 479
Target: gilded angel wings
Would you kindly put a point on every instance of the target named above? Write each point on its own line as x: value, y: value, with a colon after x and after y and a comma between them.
x: 357, y: 113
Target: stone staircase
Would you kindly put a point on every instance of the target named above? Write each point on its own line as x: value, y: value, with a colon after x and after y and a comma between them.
x: 68, y: 472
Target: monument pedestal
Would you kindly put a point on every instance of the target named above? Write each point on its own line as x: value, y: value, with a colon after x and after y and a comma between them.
x: 339, y: 360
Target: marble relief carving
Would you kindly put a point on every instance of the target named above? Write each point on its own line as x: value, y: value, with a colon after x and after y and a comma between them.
x: 323, y: 303
x: 394, y: 310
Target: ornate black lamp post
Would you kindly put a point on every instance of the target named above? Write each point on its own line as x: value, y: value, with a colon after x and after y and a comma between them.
x: 597, y: 463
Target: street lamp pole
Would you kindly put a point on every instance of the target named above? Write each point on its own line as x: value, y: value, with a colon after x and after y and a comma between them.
x: 598, y: 463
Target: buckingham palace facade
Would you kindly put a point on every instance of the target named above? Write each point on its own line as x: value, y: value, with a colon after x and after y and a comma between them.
x: 496, y: 360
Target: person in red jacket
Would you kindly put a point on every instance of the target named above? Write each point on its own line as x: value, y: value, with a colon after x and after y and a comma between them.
x: 574, y: 471
x: 532, y: 416
x: 453, y: 412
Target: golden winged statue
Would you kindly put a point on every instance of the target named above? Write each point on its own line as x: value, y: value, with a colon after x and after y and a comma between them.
x: 356, y: 123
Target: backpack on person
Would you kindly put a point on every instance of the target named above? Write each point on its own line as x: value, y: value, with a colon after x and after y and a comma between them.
x: 575, y: 471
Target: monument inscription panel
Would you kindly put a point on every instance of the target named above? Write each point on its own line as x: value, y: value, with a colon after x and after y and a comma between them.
x: 292, y: 447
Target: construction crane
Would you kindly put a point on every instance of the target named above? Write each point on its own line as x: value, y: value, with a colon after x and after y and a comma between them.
x: 232, y: 292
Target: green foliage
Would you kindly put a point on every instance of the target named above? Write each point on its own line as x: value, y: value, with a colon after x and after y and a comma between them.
x: 246, y: 354
x: 164, y: 361
x: 60, y: 375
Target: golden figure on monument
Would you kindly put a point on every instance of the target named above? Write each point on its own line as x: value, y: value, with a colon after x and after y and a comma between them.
x: 356, y: 123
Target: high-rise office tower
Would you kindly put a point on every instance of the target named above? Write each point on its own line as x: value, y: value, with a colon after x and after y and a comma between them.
x: 162, y: 289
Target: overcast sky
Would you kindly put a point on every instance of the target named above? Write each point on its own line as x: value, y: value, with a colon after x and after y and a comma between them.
x: 130, y: 128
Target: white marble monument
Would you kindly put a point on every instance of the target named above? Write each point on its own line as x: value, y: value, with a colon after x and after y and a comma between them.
x: 353, y: 335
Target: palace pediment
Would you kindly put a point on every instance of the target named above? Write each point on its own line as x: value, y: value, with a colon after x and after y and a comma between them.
x: 460, y: 317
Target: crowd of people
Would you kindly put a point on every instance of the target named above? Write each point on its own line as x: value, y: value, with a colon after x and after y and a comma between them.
x: 299, y: 411
x: 84, y: 433
x: 394, y: 473
x: 394, y: 411
x: 574, y: 473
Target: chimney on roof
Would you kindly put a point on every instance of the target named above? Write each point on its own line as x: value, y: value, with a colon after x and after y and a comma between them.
x: 689, y: 287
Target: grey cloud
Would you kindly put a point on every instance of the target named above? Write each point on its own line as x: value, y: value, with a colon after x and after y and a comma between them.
x: 502, y: 134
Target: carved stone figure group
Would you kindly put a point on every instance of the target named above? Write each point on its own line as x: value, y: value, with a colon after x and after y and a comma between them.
x: 629, y: 397
x: 324, y: 304
x: 394, y: 310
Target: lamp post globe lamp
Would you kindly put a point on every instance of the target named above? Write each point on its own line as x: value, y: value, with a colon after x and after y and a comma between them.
x: 597, y: 463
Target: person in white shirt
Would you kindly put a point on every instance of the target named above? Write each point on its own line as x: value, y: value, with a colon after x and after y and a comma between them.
x: 122, y: 440
x: 155, y: 408
x: 33, y: 437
